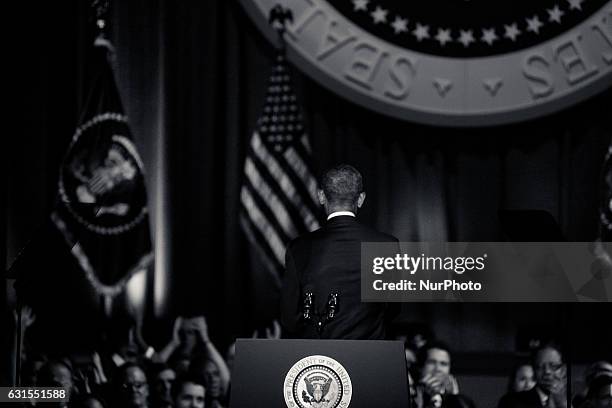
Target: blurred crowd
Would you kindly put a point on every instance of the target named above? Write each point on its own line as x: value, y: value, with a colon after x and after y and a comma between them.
x: 540, y: 381
x: 190, y: 372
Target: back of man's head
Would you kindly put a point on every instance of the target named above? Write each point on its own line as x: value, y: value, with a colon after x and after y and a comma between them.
x: 342, y: 185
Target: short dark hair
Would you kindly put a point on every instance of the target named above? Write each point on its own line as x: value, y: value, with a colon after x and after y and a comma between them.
x: 515, y: 370
x: 342, y: 185
x: 597, y: 384
x: 422, y: 354
x: 121, y: 372
x: 81, y: 400
x: 45, y: 374
x: 188, y: 378
x: 155, y: 369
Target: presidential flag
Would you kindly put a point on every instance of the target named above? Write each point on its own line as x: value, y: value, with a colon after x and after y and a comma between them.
x: 102, y: 202
x: 279, y: 193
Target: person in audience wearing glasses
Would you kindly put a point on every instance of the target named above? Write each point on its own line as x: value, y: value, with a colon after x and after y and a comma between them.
x: 550, y: 390
x: 132, y: 390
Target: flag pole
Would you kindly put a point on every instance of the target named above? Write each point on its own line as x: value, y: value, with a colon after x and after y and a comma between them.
x: 100, y: 8
x: 18, y: 341
x: 277, y: 18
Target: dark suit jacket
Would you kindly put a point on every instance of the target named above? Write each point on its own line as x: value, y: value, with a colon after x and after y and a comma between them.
x: 523, y: 399
x: 325, y: 261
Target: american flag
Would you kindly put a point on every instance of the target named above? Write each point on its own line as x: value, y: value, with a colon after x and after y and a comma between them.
x: 278, y: 195
x: 605, y: 207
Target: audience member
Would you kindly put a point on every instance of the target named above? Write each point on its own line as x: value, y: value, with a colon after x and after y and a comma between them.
x: 550, y: 390
x: 600, y: 393
x: 57, y: 373
x: 162, y: 380
x: 435, y: 378
x: 189, y: 392
x: 131, y: 387
x: 522, y: 379
x: 88, y: 401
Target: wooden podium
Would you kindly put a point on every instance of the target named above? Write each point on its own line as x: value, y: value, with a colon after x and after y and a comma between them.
x: 319, y: 374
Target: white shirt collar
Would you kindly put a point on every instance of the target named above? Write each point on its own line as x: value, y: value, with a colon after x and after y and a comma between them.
x: 339, y: 213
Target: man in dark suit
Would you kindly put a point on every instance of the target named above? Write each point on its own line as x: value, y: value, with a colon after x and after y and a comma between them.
x: 550, y: 390
x: 328, y: 261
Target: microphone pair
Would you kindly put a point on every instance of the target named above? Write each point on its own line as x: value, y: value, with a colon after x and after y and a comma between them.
x: 309, y: 315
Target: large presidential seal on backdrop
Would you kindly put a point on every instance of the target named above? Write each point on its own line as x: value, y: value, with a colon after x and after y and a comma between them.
x: 317, y: 382
x: 451, y: 62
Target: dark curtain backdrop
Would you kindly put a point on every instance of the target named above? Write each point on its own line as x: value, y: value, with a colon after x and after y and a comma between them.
x: 192, y: 77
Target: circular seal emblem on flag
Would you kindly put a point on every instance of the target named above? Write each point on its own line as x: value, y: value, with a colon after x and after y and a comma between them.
x: 317, y: 382
x: 450, y: 62
x: 101, y: 182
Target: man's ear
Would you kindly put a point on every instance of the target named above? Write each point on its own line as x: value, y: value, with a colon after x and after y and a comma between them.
x: 361, y: 199
x: 322, y: 198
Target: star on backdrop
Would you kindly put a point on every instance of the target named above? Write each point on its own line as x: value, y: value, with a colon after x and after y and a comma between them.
x: 555, y: 14
x: 421, y: 32
x: 399, y: 25
x: 360, y: 5
x: 511, y: 31
x: 379, y: 15
x: 534, y: 24
x: 489, y: 36
x: 443, y: 36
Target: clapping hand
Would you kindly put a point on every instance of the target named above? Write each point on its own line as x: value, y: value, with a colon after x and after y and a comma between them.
x: 273, y: 332
x: 558, y: 390
x: 199, y: 325
x: 176, y: 330
x: 434, y: 384
x: 27, y: 317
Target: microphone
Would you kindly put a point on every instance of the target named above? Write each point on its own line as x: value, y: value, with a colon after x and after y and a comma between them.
x: 319, y: 318
x: 332, y: 306
x: 307, y: 306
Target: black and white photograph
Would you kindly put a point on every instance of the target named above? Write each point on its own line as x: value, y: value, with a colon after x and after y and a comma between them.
x: 308, y: 204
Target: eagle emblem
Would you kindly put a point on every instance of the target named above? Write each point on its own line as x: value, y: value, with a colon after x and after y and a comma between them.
x: 317, y: 388
x: 317, y: 382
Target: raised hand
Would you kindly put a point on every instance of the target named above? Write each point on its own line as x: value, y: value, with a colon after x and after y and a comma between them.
x: 176, y: 330
x: 27, y: 317
x: 273, y: 332
x: 434, y: 383
x: 200, y: 326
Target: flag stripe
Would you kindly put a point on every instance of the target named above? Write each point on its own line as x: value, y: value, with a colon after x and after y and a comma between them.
x: 262, y: 224
x: 297, y: 164
x: 278, y: 196
x: 292, y: 187
x: 305, y: 198
x: 303, y: 219
x: 303, y: 149
x: 306, y: 143
x: 270, y: 198
x: 261, y: 244
x: 267, y: 212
